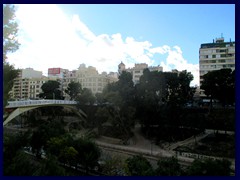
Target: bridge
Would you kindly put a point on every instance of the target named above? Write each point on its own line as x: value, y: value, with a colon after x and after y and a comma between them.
x: 24, y: 106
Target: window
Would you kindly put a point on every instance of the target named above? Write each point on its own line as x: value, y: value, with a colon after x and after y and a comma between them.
x: 222, y: 50
x: 137, y: 71
x: 222, y: 61
x: 230, y: 65
x: 214, y: 56
x: 231, y: 60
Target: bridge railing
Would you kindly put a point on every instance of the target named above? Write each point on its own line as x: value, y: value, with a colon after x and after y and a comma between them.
x: 12, y: 104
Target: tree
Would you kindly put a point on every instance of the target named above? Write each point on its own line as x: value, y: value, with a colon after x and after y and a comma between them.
x: 113, y: 166
x: 68, y: 155
x: 159, y: 101
x: 10, y: 44
x: 86, y: 97
x: 118, y: 98
x: 178, y: 87
x: 50, y: 167
x: 220, y: 84
x: 12, y: 143
x: 150, y: 93
x: 73, y: 90
x: 99, y: 98
x: 139, y: 166
x: 22, y: 165
x: 43, y: 134
x: 56, y: 144
x: 51, y: 90
x: 9, y: 74
x: 168, y: 167
x: 210, y: 167
x: 10, y: 30
x: 125, y: 87
x: 88, y: 153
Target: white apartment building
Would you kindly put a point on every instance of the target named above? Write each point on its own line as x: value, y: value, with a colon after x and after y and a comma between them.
x: 137, y: 70
x: 214, y: 56
x: 28, y: 84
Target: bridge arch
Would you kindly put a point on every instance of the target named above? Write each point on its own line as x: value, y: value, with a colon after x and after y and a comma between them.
x: 21, y: 110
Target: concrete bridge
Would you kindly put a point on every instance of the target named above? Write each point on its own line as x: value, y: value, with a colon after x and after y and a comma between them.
x: 20, y: 107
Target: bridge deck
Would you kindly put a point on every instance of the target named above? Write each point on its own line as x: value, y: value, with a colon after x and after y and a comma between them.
x: 15, y: 104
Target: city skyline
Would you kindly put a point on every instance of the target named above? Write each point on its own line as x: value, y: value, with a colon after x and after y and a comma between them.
x: 104, y: 35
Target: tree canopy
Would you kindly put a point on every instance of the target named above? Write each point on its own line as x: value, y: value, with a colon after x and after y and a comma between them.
x: 51, y: 90
x: 139, y: 166
x: 168, y: 167
x: 73, y: 90
x: 10, y: 44
x: 210, y: 167
x: 178, y: 90
x: 120, y: 111
x: 86, y: 97
x: 10, y: 30
x: 220, y: 84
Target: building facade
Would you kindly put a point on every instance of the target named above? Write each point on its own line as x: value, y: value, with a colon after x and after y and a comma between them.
x: 28, y: 84
x: 214, y: 56
x: 137, y: 70
x: 89, y: 78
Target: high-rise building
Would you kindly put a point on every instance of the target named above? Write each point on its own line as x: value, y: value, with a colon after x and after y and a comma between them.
x: 216, y: 55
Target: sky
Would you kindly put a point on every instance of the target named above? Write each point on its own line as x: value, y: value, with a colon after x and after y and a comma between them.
x: 103, y: 35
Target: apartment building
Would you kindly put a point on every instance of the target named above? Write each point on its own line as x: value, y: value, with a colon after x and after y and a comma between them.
x: 28, y: 84
x: 89, y: 78
x: 57, y: 72
x: 214, y: 56
x: 137, y: 70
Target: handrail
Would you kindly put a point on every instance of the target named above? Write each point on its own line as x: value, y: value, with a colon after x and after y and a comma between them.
x: 12, y: 104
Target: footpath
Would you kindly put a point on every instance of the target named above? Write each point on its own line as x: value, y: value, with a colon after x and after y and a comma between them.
x: 139, y: 144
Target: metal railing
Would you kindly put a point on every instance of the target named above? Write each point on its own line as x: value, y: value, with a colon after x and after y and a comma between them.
x: 12, y: 104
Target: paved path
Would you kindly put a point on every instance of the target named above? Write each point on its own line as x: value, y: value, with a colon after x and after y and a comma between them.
x: 138, y: 143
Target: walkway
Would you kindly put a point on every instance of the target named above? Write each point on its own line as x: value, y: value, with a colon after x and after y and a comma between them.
x: 27, y: 103
x: 138, y: 143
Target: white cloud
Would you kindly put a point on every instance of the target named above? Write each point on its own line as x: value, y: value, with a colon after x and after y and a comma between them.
x: 50, y: 38
x: 175, y: 60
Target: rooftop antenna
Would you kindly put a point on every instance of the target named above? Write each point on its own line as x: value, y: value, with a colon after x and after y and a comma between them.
x: 221, y: 35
